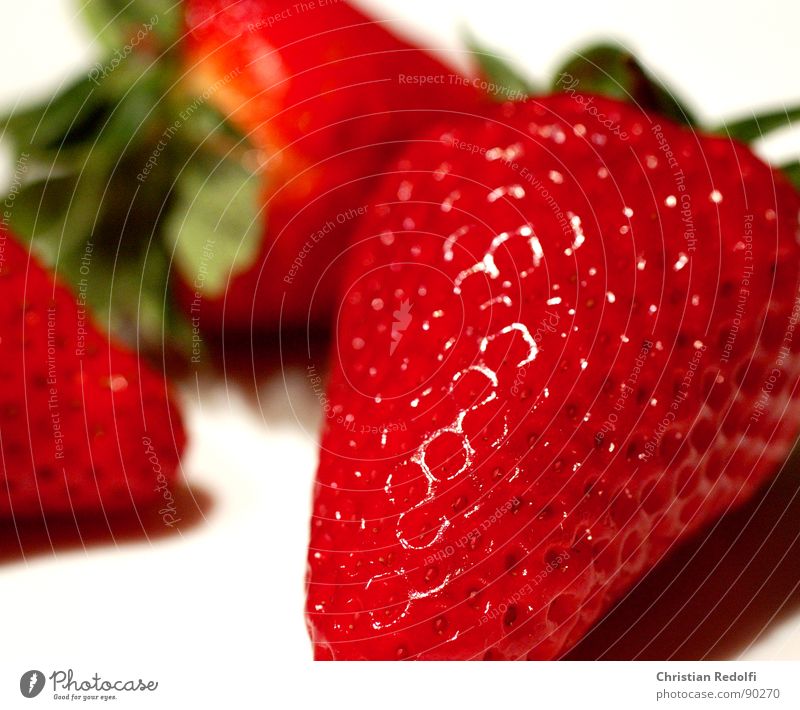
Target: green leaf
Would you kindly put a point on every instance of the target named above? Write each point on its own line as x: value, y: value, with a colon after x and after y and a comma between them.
x: 215, y: 227
x: 207, y: 126
x: 792, y: 171
x: 612, y: 71
x: 506, y: 83
x: 101, y: 164
x: 123, y: 26
x: 140, y: 299
x: 72, y: 112
x: 136, y: 117
x: 127, y: 293
x: 58, y: 214
x: 757, y: 126
x: 39, y: 208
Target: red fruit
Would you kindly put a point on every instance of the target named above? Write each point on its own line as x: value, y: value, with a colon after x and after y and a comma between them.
x: 568, y: 342
x: 328, y: 96
x: 84, y: 425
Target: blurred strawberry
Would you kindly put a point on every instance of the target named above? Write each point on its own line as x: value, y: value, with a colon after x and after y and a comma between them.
x: 328, y: 95
x: 85, y: 426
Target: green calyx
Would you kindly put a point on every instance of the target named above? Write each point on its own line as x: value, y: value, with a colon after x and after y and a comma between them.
x: 610, y: 70
x: 504, y: 81
x: 110, y: 169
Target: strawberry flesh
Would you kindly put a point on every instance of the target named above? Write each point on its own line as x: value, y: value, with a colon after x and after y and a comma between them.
x: 567, y: 343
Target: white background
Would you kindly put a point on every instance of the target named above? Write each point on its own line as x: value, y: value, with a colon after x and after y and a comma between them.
x: 215, y: 613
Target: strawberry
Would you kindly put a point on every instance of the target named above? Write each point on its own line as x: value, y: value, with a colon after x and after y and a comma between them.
x: 85, y: 427
x: 567, y: 343
x: 328, y: 96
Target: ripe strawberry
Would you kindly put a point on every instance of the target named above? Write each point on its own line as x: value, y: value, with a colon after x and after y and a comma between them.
x: 84, y: 425
x: 328, y: 96
x: 567, y: 343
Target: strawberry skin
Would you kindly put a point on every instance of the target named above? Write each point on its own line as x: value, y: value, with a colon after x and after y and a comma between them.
x: 567, y: 343
x: 85, y: 427
x: 327, y: 96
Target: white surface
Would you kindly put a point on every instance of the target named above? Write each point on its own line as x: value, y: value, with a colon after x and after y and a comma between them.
x: 216, y: 613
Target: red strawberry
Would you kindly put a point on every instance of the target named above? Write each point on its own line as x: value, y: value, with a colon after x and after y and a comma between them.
x: 84, y: 425
x: 328, y: 96
x: 568, y: 342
